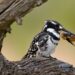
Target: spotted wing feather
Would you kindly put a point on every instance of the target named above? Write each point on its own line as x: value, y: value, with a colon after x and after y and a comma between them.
x: 41, y: 38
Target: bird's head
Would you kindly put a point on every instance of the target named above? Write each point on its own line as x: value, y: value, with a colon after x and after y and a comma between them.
x: 53, y: 26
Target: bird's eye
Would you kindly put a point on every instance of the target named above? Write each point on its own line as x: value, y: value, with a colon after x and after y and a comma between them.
x: 56, y: 27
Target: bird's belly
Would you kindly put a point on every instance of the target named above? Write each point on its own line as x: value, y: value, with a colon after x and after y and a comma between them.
x: 50, y: 49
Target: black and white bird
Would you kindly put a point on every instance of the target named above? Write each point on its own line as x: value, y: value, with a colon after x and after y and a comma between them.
x: 44, y: 43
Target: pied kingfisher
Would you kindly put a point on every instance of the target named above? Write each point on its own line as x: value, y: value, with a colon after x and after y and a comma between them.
x: 45, y: 42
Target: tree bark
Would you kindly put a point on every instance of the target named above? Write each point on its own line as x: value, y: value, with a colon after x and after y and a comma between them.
x: 14, y: 10
x: 35, y: 67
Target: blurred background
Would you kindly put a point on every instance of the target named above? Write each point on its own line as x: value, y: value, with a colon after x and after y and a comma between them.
x: 17, y: 43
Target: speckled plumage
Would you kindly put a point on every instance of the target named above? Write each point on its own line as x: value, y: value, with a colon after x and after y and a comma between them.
x: 44, y: 43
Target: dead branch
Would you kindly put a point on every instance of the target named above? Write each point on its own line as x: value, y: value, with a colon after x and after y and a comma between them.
x: 14, y: 10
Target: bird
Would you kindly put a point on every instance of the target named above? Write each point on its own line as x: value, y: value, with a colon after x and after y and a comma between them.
x: 46, y: 41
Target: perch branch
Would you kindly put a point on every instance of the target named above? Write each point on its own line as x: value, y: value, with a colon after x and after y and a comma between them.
x: 36, y: 67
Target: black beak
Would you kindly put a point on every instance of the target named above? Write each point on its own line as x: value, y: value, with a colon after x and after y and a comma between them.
x: 68, y: 35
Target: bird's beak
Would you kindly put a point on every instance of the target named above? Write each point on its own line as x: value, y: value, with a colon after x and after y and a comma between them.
x: 67, y: 35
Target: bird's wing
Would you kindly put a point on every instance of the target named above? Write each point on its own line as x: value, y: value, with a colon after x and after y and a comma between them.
x: 41, y: 39
x: 32, y: 50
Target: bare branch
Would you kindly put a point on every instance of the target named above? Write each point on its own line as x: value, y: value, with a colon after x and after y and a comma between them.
x: 14, y: 10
